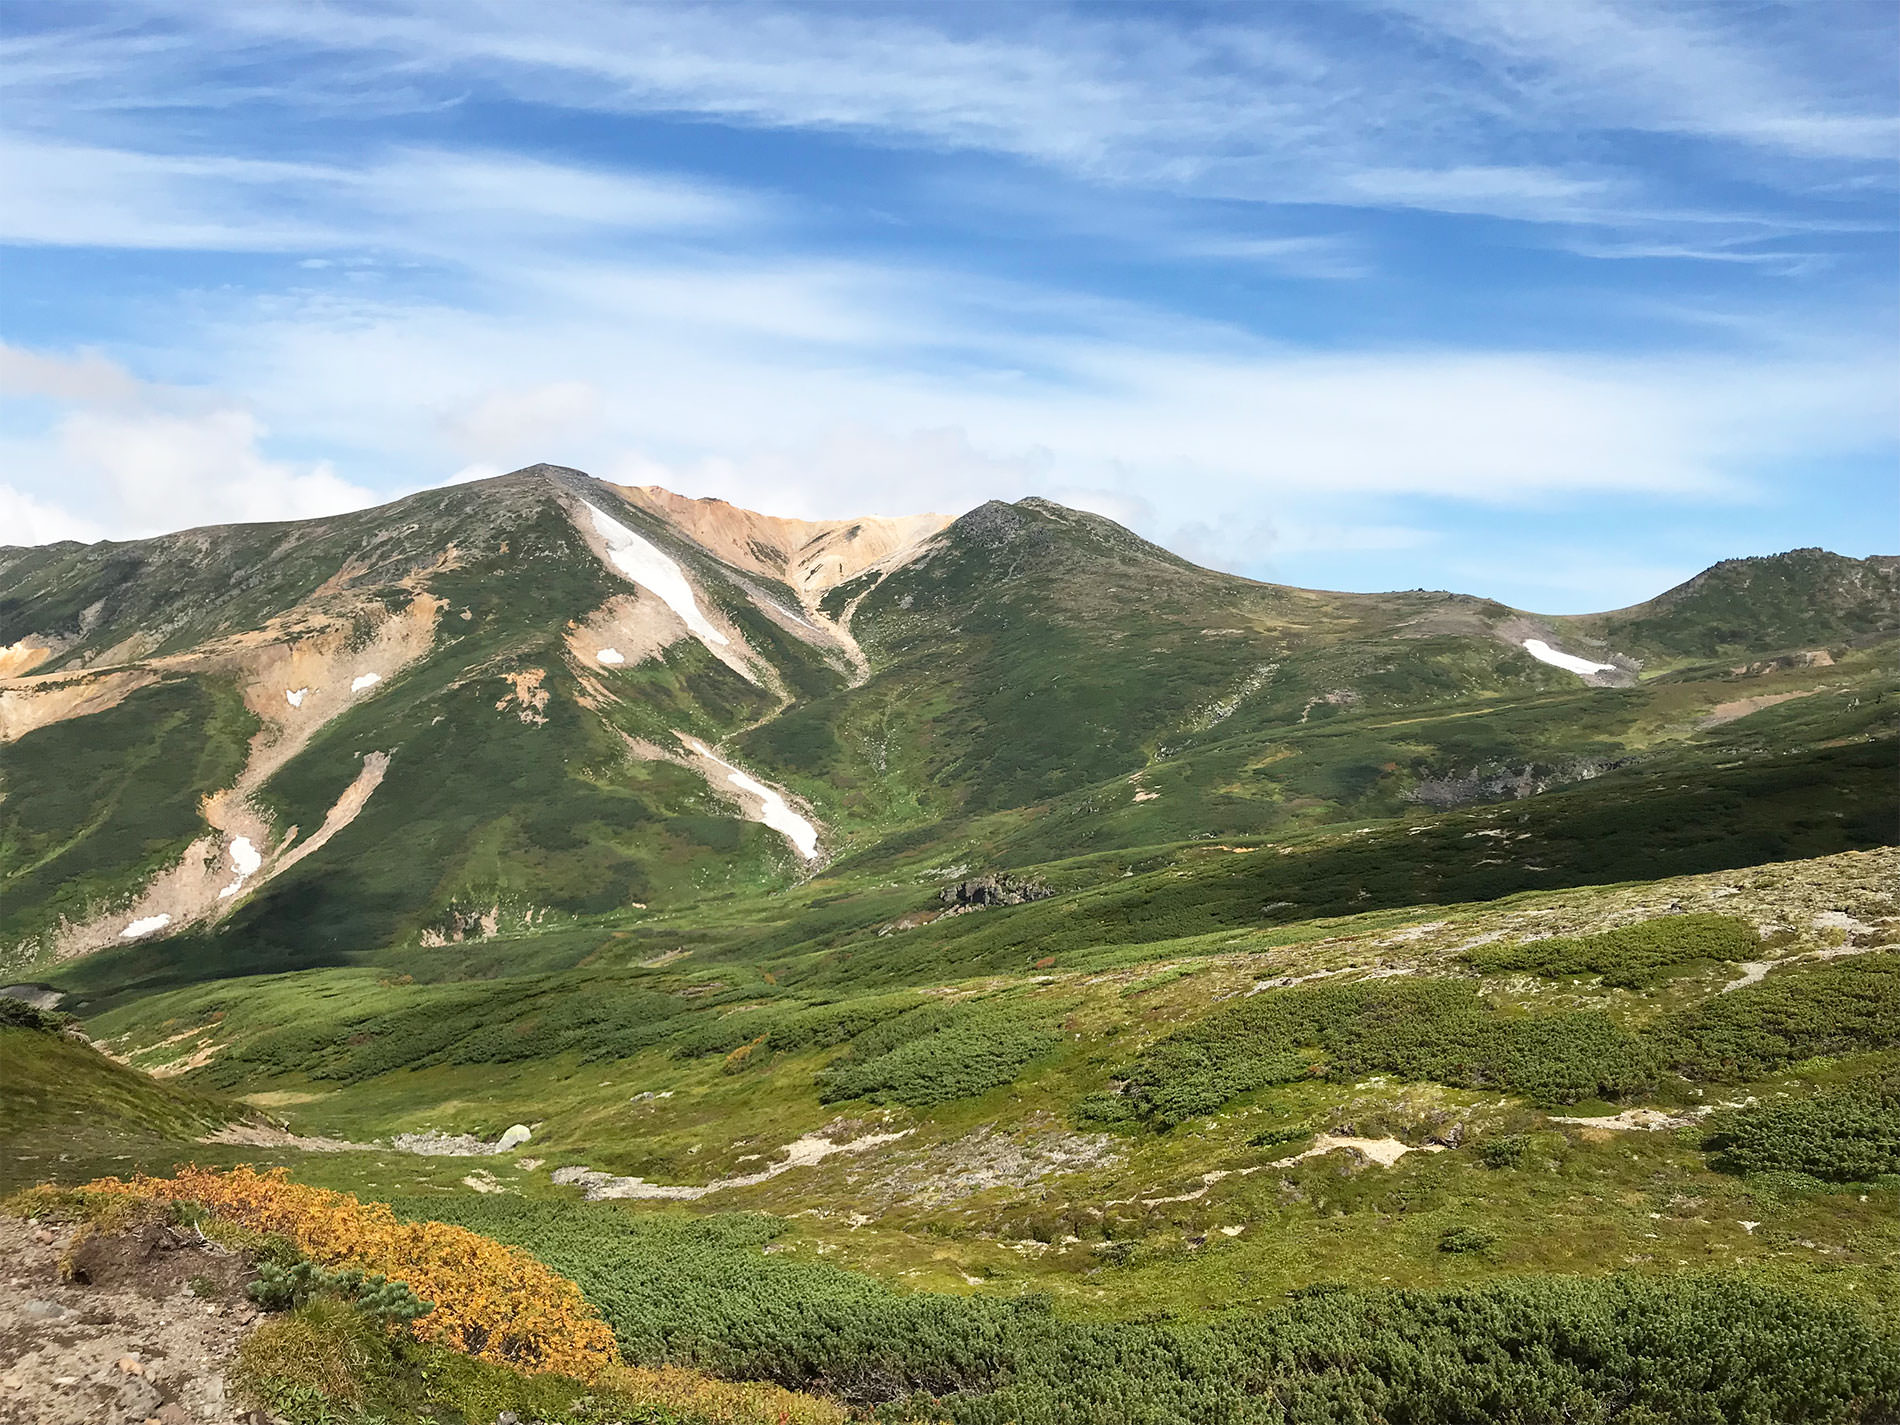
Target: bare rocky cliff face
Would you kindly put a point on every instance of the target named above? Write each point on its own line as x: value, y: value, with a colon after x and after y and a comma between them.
x: 1510, y: 783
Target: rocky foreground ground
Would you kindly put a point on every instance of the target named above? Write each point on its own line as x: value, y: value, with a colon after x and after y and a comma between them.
x: 122, y: 1329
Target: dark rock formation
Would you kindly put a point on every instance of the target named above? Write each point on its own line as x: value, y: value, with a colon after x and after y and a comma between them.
x: 982, y: 891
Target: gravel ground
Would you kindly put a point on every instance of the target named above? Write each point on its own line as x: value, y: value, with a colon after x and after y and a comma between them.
x: 133, y: 1345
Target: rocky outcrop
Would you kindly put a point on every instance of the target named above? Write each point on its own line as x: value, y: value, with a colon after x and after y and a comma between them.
x: 1509, y: 783
x: 433, y: 1144
x: 981, y: 892
x: 1788, y: 662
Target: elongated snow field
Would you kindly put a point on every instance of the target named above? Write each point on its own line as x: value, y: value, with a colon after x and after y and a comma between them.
x: 777, y: 815
x: 773, y: 812
x: 1569, y: 662
x: 654, y: 571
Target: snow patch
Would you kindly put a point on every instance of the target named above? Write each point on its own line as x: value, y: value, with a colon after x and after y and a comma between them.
x: 244, y: 856
x: 655, y: 572
x: 1569, y: 662
x: 145, y: 925
x: 610, y: 655
x: 295, y: 696
x: 245, y: 860
x: 773, y: 811
x: 365, y: 680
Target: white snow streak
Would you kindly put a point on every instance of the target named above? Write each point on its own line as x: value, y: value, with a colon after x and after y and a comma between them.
x: 245, y: 861
x: 781, y: 818
x: 145, y: 925
x: 295, y: 698
x: 652, y: 570
x: 365, y: 680
x: 1569, y: 662
x: 773, y: 811
x: 610, y: 655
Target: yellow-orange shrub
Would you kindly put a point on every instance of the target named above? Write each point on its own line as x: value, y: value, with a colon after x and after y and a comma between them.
x: 491, y: 1301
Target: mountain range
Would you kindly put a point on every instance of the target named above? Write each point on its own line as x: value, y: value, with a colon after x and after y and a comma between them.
x: 541, y: 697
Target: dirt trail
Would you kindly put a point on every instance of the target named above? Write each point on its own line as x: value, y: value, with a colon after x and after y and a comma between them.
x: 806, y: 1152
x: 1734, y: 711
x: 1383, y: 1151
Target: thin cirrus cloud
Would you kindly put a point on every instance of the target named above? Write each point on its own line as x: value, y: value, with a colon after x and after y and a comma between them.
x: 417, y: 200
x: 1278, y: 282
x: 1764, y: 82
x: 1298, y: 100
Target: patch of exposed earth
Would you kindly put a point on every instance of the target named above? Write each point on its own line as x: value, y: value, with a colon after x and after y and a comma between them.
x: 806, y: 1152
x: 262, y: 1135
x: 125, y: 1341
x: 990, y: 1157
x: 296, y: 675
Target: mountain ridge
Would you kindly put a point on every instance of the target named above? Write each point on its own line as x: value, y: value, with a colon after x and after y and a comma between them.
x: 614, y: 696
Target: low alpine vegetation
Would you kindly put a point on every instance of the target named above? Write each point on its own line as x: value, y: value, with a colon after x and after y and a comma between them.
x: 1632, y: 957
x: 488, y: 1300
x: 1444, y: 1031
x: 1849, y: 1135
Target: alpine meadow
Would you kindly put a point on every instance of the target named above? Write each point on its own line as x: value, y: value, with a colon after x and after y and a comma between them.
x: 810, y: 713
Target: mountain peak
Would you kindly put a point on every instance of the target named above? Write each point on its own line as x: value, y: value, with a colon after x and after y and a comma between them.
x: 810, y: 555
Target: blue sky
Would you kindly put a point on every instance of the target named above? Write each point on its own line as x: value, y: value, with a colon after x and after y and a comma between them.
x: 1558, y: 303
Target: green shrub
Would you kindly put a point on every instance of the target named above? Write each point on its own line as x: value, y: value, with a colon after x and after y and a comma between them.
x: 282, y: 1287
x: 1691, y: 1347
x: 827, y: 1026
x: 1632, y: 957
x: 1843, y: 1007
x: 1435, y: 1029
x: 1443, y: 1031
x: 1508, y: 1150
x: 1466, y: 1239
x: 18, y: 1014
x: 940, y: 1052
x: 1850, y: 1135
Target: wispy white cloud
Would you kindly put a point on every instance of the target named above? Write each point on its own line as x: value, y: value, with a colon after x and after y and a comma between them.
x: 423, y: 201
x: 1770, y: 78
x: 131, y: 458
x: 1326, y: 257
x: 462, y: 307
x: 1281, y: 104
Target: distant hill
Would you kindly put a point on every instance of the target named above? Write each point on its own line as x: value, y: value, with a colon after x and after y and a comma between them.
x: 1804, y: 599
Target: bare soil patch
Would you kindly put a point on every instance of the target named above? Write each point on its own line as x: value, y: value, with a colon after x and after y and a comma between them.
x: 117, y: 1335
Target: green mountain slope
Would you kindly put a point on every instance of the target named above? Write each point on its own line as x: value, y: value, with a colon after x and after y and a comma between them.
x: 1805, y: 599
x: 416, y: 723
